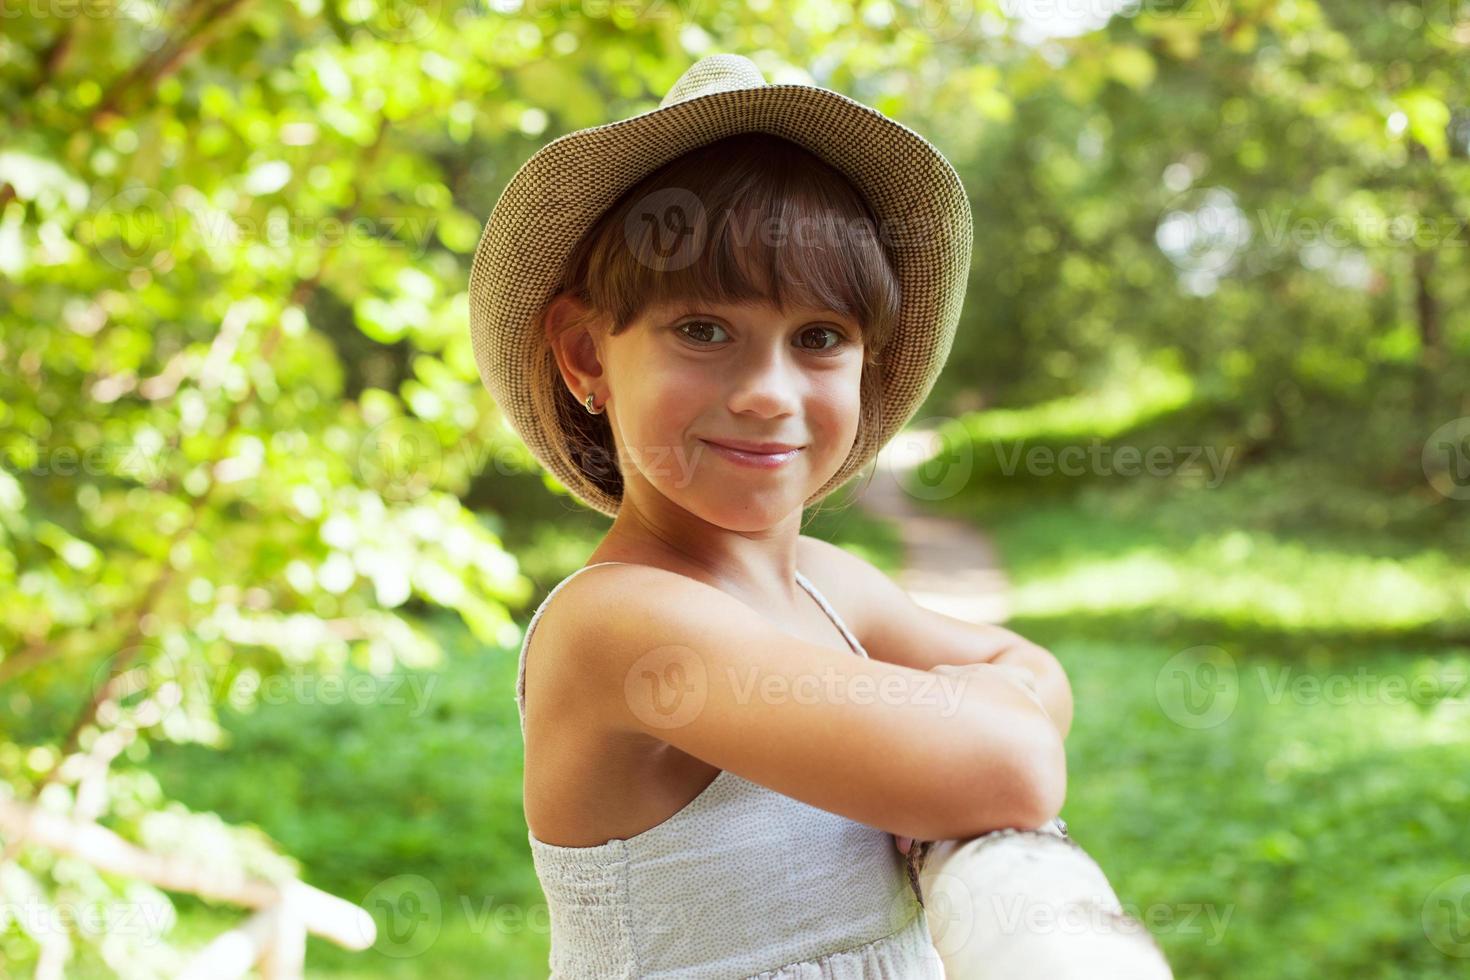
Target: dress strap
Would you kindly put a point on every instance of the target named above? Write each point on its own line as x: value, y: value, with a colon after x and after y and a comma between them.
x: 847, y: 634
x: 520, y: 694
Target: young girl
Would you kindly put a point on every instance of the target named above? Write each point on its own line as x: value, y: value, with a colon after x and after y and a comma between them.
x: 702, y: 320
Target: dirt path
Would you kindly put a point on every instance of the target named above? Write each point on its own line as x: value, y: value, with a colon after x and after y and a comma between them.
x: 949, y: 566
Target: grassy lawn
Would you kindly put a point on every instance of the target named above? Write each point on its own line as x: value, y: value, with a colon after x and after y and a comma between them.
x: 1272, y: 682
x: 406, y: 802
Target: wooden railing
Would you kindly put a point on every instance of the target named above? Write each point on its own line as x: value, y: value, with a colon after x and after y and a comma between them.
x: 273, y: 939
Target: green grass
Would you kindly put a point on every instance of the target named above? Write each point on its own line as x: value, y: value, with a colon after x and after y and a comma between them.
x: 407, y: 802
x: 1272, y: 686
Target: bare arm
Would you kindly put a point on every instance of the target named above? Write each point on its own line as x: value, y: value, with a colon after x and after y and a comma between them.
x: 898, y: 630
x: 915, y: 753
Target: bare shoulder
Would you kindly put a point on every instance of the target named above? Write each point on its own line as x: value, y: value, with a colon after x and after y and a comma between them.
x: 601, y: 598
x: 604, y: 603
x: 874, y: 606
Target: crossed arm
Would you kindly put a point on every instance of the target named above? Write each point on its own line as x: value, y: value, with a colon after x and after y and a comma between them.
x: 894, y: 628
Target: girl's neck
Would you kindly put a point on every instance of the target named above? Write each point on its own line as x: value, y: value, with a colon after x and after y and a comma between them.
x: 758, y: 568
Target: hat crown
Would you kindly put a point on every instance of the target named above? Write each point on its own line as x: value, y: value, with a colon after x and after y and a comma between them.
x: 716, y: 73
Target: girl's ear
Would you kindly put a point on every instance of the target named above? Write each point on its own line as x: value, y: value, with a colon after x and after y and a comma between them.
x: 569, y: 325
x: 564, y: 310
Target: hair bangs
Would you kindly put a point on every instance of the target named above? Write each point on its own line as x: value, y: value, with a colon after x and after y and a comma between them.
x: 752, y: 218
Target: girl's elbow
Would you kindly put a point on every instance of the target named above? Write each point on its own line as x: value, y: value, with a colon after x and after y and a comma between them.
x: 1025, y: 785
x: 1038, y: 775
x: 1044, y: 776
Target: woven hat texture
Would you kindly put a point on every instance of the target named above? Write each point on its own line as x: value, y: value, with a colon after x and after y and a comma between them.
x: 560, y: 192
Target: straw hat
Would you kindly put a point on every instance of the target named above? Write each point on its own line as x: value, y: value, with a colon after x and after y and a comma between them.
x: 559, y: 193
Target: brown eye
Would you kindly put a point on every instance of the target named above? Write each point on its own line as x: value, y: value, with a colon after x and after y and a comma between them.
x: 817, y: 332
x: 703, y: 327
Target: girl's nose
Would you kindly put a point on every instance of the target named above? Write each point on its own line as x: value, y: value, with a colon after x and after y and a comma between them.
x: 766, y: 384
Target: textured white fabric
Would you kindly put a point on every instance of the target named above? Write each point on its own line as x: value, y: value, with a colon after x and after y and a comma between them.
x: 743, y: 882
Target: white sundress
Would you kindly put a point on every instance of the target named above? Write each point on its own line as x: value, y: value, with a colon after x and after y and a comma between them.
x: 743, y: 882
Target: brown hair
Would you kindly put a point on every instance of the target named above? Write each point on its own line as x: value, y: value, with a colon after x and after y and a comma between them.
x: 726, y: 193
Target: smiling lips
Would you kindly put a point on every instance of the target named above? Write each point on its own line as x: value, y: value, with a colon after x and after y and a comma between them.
x: 764, y: 455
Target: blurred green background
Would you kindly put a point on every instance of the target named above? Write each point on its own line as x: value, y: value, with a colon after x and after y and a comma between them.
x: 268, y: 548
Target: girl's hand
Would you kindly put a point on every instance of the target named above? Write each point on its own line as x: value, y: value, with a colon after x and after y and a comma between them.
x: 1020, y: 676
x: 903, y: 843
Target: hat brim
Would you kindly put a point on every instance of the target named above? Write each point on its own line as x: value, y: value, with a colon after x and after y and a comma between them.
x: 561, y: 191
